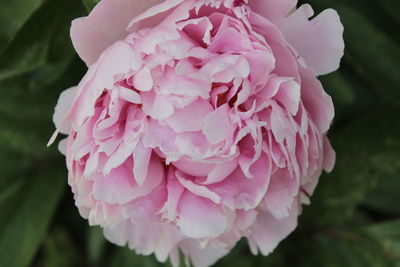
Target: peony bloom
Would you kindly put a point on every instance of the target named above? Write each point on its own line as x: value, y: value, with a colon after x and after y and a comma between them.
x: 199, y: 122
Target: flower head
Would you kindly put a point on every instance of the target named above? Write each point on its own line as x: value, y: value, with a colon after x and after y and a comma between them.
x: 199, y: 122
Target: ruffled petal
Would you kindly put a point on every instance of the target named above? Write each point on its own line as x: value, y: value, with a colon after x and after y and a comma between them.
x: 105, y: 25
x: 200, y: 217
x: 273, y: 9
x: 120, y: 187
x: 268, y: 231
x: 316, y: 101
x: 201, y: 257
x: 217, y: 125
x: 318, y: 41
x: 64, y: 103
x: 240, y: 192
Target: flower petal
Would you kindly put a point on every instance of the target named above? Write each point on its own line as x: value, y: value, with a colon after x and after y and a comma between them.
x: 106, y: 24
x: 318, y: 41
x: 217, y: 125
x: 200, y: 217
x: 201, y: 257
x: 268, y: 238
x: 141, y: 160
x: 64, y: 103
x: 316, y: 101
x: 273, y: 9
x: 190, y: 118
x: 120, y: 187
x: 199, y: 190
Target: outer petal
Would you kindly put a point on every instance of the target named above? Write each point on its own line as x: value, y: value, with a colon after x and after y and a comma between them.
x: 329, y: 156
x: 318, y: 41
x: 201, y: 257
x: 64, y: 103
x: 240, y: 192
x: 316, y: 101
x: 105, y: 25
x: 118, y: 59
x: 281, y: 193
x: 269, y: 231
x: 120, y: 187
x: 145, y: 239
x: 273, y: 9
x: 200, y: 217
x: 153, y: 15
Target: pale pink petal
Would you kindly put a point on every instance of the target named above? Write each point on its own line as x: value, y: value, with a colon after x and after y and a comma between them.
x: 268, y: 231
x: 157, y: 106
x: 201, y: 257
x: 217, y: 125
x: 175, y: 192
x: 199, y: 29
x: 190, y: 118
x: 145, y: 210
x: 105, y: 25
x: 64, y: 103
x: 316, y: 101
x: 273, y: 9
x: 62, y: 146
x: 281, y: 193
x: 153, y: 14
x: 289, y: 96
x: 129, y: 95
x: 329, y: 156
x: 199, y: 190
x: 240, y: 192
x: 120, y: 187
x: 193, y: 168
x: 116, y: 60
x: 141, y: 160
x: 200, y: 217
x: 318, y: 41
x: 166, y: 29
x: 142, y: 80
x: 159, y: 239
x: 219, y: 172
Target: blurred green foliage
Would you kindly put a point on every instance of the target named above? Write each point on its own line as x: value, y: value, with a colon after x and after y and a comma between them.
x: 354, y: 219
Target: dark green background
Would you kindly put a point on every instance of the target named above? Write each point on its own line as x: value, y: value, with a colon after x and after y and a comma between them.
x: 354, y: 219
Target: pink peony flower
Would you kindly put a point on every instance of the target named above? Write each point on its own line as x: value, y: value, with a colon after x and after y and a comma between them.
x: 199, y: 122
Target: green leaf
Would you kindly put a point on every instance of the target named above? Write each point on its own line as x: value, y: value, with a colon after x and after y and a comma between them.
x: 372, y: 246
x: 368, y: 152
x: 90, y: 4
x: 387, y: 234
x: 13, y: 14
x: 346, y: 248
x: 351, y: 97
x: 43, y: 41
x: 127, y: 257
x: 383, y: 72
x: 385, y: 197
x: 29, y: 213
x: 59, y: 250
x: 96, y: 244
